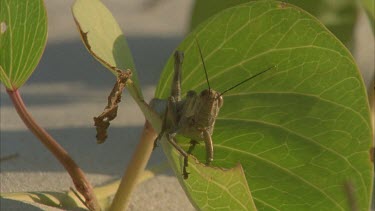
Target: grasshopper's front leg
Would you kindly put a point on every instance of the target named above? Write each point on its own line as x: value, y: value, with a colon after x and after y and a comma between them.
x: 209, y: 146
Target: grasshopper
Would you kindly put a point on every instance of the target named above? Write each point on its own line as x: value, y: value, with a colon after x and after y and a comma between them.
x: 193, y: 117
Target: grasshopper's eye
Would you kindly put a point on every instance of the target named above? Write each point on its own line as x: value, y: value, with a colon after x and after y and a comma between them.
x: 191, y: 93
x: 205, y: 93
x: 220, y: 101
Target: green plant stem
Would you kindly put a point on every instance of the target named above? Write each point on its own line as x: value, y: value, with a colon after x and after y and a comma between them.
x: 80, y: 182
x: 136, y: 166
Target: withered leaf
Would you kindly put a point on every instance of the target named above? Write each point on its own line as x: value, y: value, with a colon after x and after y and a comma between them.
x: 102, y: 122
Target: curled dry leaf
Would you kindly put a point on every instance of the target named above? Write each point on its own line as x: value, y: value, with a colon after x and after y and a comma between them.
x: 102, y: 122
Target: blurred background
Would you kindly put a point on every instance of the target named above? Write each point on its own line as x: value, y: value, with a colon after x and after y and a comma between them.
x: 69, y: 87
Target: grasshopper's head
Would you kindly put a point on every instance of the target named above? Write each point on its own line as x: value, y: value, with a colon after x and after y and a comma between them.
x: 211, y: 98
x: 207, y: 109
x: 210, y: 101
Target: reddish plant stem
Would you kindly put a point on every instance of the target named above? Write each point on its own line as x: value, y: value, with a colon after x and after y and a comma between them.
x: 80, y: 182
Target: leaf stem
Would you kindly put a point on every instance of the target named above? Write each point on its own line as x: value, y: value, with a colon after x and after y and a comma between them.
x: 77, y: 175
x: 136, y: 167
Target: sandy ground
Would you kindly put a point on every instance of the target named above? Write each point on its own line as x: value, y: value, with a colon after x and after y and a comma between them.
x: 69, y: 87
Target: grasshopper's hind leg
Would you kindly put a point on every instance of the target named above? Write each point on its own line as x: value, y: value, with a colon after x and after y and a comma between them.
x: 172, y: 141
x: 176, y: 83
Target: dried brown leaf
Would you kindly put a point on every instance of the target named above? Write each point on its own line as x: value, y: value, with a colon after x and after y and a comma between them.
x: 102, y: 122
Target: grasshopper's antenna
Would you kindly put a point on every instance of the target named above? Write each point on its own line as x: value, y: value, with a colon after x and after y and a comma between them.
x: 204, y: 65
x: 244, y: 81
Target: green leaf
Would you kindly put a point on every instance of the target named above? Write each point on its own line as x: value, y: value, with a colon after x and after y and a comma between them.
x: 212, y: 188
x: 23, y: 35
x: 339, y: 16
x: 102, y: 36
x: 301, y: 130
x: 205, y: 9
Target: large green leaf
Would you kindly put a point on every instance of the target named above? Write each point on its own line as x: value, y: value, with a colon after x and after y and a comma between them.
x: 102, y: 35
x: 301, y: 130
x: 339, y: 16
x: 23, y: 35
x: 212, y: 188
